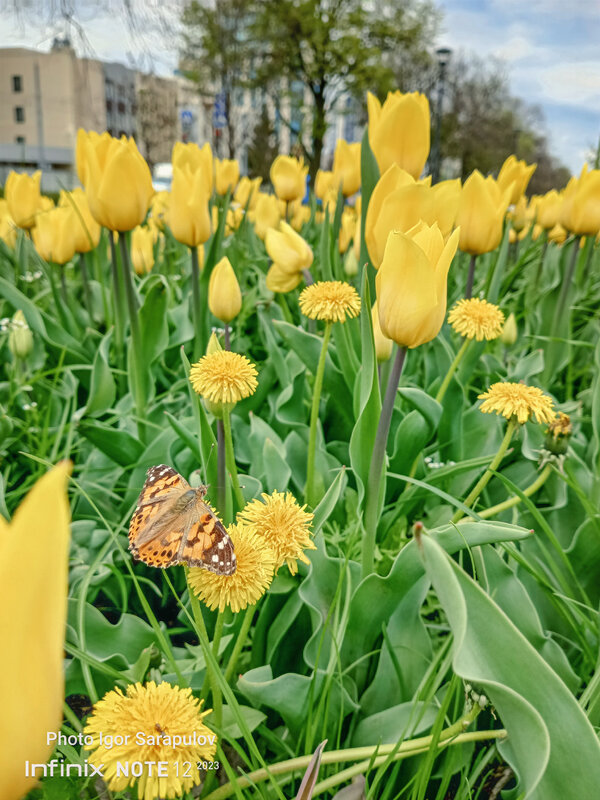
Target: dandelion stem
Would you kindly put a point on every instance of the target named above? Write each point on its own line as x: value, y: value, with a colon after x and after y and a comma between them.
x: 470, y: 277
x: 202, y: 634
x: 117, y: 295
x: 221, y: 473
x: 137, y: 362
x: 230, y: 459
x: 196, y: 305
x: 239, y: 643
x: 515, y: 500
x: 309, y: 491
x: 377, y: 464
x: 483, y: 481
x: 451, y: 370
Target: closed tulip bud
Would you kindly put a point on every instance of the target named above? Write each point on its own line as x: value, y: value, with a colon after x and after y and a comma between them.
x: 481, y: 213
x: 383, y: 345
x: 347, y: 229
x: 548, y: 209
x: 519, y: 216
x: 399, y: 131
x: 397, y: 203
x: 227, y: 174
x: 323, y: 183
x: 224, y: 293
x: 446, y: 197
x: 411, y: 284
x: 142, y: 250
x: 20, y: 337
x: 266, y: 214
x: 118, y: 183
x: 509, y: 332
x: 198, y: 159
x: 53, y: 235
x: 288, y: 176
x: 86, y: 231
x: 280, y: 282
x: 288, y: 249
x: 23, y: 198
x: 580, y: 213
x: 515, y: 175
x: 188, y: 216
x: 246, y: 193
x: 159, y: 207
x: 33, y: 618
x: 557, y: 234
x: 346, y: 167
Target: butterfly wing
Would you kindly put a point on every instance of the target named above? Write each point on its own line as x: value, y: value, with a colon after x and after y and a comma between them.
x: 153, y: 511
x: 208, y: 545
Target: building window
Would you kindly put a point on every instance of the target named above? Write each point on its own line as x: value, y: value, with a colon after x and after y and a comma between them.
x: 17, y: 82
x: 19, y: 140
x: 19, y: 114
x: 121, y: 107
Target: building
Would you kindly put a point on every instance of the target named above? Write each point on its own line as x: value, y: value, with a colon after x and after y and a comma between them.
x: 46, y: 97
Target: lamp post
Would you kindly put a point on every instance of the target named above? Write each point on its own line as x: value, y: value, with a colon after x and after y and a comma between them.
x: 443, y: 56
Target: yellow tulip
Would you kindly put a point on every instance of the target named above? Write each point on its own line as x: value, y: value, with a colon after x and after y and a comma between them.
x: 159, y: 207
x: 446, y: 197
x: 520, y: 215
x: 411, y: 284
x: 383, y: 345
x: 233, y: 219
x: 398, y: 202
x: 548, y: 209
x: 188, y: 216
x: 23, y: 198
x: 347, y: 229
x: 351, y: 263
x: 557, y: 234
x: 224, y: 293
x: 8, y: 231
x: 53, y: 236
x: 346, y: 167
x: 324, y: 181
x: 99, y: 142
x: 118, y: 183
x: 288, y: 249
x: 288, y: 176
x: 399, y: 131
x: 517, y: 173
x: 266, y: 214
x: 246, y: 193
x: 227, y: 174
x: 142, y: 250
x: 481, y: 212
x: 580, y: 212
x: 32, y: 620
x: 299, y: 214
x: 280, y: 281
x: 86, y: 231
x: 198, y: 159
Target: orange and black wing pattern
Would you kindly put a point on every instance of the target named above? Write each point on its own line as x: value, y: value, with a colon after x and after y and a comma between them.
x: 208, y: 545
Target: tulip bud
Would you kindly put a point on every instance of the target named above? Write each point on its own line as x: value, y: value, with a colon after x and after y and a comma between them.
x: 288, y: 249
x: 142, y: 250
x: 188, y: 216
x: 351, y: 263
x: 288, y: 176
x: 515, y: 175
x: 346, y: 167
x: 265, y: 214
x: 399, y: 131
x: 510, y: 331
x: 20, y: 337
x: 227, y: 174
x: 481, y: 212
x: 224, y: 294
x: 280, y: 282
x: 23, y: 197
x: 383, y: 345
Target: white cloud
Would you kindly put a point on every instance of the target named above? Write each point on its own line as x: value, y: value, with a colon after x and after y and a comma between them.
x: 576, y: 83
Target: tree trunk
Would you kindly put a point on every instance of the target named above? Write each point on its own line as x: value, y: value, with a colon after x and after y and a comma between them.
x: 319, y: 128
x: 230, y: 125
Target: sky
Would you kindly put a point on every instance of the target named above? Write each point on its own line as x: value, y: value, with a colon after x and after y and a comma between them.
x: 550, y: 49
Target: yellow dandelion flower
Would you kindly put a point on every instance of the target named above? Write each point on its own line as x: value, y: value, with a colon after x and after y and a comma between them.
x: 283, y: 525
x: 332, y: 301
x: 252, y: 578
x: 476, y: 319
x: 141, y: 726
x: 517, y: 400
x: 224, y: 377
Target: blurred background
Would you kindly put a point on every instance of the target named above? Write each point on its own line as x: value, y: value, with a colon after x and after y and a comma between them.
x: 260, y: 77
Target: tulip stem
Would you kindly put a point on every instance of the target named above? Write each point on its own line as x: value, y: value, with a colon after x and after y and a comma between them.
x: 230, y: 460
x: 239, y: 642
x: 566, y: 285
x: 470, y: 277
x: 63, y: 285
x: 86, y: 285
x: 483, y: 481
x: 451, y: 370
x: 227, y: 336
x: 137, y: 361
x: 118, y: 302
x: 376, y: 469
x: 309, y: 491
x: 196, y: 305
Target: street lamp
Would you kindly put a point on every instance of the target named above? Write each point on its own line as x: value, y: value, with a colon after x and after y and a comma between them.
x: 443, y: 57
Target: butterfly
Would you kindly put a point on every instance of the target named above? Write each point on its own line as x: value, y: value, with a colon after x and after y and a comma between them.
x: 172, y: 524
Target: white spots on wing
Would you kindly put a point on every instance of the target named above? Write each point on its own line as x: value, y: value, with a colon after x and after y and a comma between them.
x: 221, y: 544
x: 215, y: 558
x: 220, y: 563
